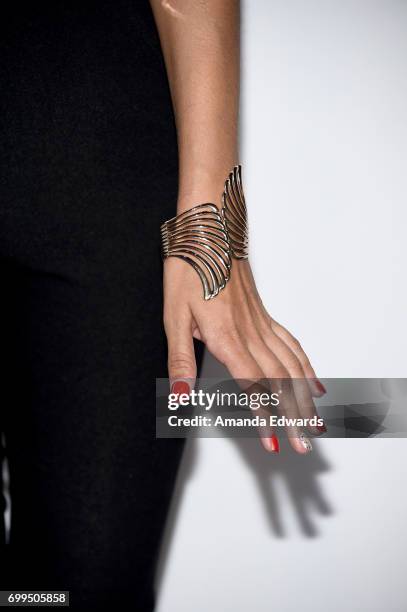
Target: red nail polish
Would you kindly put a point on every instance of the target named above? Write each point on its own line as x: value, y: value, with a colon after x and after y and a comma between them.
x: 274, y: 444
x: 180, y: 387
x: 320, y: 386
x: 321, y: 428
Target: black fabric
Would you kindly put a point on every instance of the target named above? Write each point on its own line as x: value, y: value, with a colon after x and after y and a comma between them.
x: 88, y: 171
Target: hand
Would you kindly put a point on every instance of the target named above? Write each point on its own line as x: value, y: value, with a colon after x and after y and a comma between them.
x: 239, y: 332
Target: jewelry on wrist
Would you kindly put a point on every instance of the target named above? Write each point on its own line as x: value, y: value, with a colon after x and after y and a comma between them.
x: 235, y: 214
x: 208, y: 238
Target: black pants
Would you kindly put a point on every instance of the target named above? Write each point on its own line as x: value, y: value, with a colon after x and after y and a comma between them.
x: 88, y: 171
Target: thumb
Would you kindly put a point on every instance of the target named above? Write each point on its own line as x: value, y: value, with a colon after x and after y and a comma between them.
x: 181, y: 355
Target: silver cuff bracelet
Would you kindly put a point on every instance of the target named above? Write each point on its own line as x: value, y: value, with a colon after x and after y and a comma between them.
x: 208, y: 238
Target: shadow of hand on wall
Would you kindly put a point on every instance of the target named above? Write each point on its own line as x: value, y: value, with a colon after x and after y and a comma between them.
x: 299, y: 474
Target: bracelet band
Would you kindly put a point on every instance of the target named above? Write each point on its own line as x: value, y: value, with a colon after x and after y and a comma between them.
x: 235, y: 214
x: 208, y: 238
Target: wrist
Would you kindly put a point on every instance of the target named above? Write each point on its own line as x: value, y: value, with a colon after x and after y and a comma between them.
x: 203, y: 184
x: 209, y: 233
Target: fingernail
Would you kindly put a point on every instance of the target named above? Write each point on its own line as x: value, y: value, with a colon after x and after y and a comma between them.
x: 274, y: 444
x: 270, y: 444
x: 322, y: 428
x: 180, y: 387
x: 320, y: 386
x: 305, y: 442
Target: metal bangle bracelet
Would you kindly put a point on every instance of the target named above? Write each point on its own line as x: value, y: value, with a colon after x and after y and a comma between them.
x: 208, y: 238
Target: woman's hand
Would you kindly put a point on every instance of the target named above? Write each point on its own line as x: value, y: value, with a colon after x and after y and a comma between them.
x: 201, y: 47
x: 239, y: 332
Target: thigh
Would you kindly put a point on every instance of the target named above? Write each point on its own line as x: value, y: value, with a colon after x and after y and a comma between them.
x: 89, y: 483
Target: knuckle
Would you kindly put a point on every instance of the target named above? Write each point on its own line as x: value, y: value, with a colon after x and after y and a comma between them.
x: 296, y: 344
x: 264, y: 323
x: 223, y: 337
x: 172, y: 319
x: 255, y: 339
x: 223, y: 348
x: 211, y: 343
x: 181, y: 363
x: 293, y: 365
x: 280, y: 372
x: 275, y: 325
x: 300, y: 353
x: 304, y: 360
x: 268, y: 336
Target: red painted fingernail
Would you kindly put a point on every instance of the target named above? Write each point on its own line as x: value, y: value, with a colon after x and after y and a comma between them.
x: 321, y: 428
x: 274, y: 444
x: 320, y: 386
x: 180, y: 386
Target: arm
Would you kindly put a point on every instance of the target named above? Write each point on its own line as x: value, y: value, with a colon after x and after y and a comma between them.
x: 201, y: 47
x: 200, y: 42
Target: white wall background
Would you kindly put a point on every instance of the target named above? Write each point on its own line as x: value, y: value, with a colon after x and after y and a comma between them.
x: 324, y: 154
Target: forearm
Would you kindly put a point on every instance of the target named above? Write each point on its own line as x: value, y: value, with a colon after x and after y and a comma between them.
x: 201, y: 46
